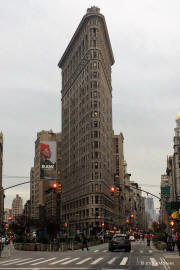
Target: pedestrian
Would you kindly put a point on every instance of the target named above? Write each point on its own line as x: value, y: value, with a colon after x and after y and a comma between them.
x: 173, y: 241
x: 169, y: 243
x: 178, y: 242
x: 148, y: 237
x: 84, y: 242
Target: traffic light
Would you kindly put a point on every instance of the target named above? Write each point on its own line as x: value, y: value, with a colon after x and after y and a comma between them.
x: 132, y: 216
x: 171, y: 224
x: 57, y: 187
x: 102, y: 224
x: 112, y: 189
x: 10, y: 218
x: 54, y: 186
x: 127, y: 221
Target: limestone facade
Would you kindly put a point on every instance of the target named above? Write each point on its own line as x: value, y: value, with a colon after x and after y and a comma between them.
x: 87, y: 156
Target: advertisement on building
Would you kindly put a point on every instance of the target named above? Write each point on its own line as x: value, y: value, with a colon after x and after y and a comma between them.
x: 47, y: 155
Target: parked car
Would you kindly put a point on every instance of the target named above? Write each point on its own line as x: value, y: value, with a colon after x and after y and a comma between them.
x: 120, y: 241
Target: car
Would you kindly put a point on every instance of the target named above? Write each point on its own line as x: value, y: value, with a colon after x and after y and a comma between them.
x: 120, y: 241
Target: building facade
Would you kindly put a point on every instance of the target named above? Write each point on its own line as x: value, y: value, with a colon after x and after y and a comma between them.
x: 7, y: 214
x: 87, y: 167
x: 1, y: 192
x: 177, y: 158
x: 47, y: 167
x: 17, y: 207
x: 119, y: 171
x: 170, y: 182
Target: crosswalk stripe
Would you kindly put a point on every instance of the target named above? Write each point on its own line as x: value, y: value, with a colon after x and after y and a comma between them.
x: 150, y: 251
x: 153, y: 262
x: 30, y: 261
x: 75, y: 259
x: 56, y: 262
x: 10, y: 261
x: 124, y: 261
x: 97, y: 260
x: 83, y: 261
x: 17, y: 261
x: 105, y: 250
x: 96, y: 250
x: 112, y: 260
x: 43, y: 261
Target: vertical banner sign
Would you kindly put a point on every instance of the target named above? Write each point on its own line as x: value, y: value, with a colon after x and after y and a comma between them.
x: 47, y: 156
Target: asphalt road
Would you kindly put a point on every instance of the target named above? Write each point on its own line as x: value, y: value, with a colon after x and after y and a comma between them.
x: 98, y: 257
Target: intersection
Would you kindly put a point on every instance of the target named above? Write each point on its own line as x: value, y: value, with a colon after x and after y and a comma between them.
x: 97, y: 257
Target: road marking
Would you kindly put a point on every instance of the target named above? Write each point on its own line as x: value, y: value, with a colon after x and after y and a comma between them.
x: 132, y: 250
x: 30, y: 261
x: 112, y: 260
x: 46, y: 268
x: 83, y: 261
x: 96, y: 250
x: 10, y: 261
x: 150, y: 251
x: 124, y: 261
x: 105, y: 250
x: 96, y: 261
x: 165, y: 264
x: 141, y: 251
x: 18, y: 261
x: 75, y: 259
x: 56, y: 262
x: 43, y: 261
x: 153, y: 262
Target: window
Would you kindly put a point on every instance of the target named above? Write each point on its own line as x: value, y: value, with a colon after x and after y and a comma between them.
x: 95, y: 133
x: 96, y: 114
x: 95, y: 94
x: 94, y: 43
x: 96, y: 188
x: 96, y: 144
x: 95, y: 84
x: 96, y: 165
x: 95, y: 103
x: 96, y: 154
x: 96, y: 199
x: 97, y: 212
x: 95, y: 123
x: 95, y: 75
x: 96, y: 175
x: 94, y: 54
x: 94, y: 64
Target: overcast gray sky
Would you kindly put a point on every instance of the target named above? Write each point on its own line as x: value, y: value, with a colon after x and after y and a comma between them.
x: 145, y: 38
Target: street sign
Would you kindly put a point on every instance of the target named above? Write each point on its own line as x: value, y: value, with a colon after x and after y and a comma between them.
x: 165, y: 191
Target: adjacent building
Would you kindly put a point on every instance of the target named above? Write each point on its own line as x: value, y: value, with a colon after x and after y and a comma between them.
x: 45, y: 172
x: 1, y: 191
x: 17, y: 207
x: 7, y: 214
x: 87, y: 152
x: 170, y: 182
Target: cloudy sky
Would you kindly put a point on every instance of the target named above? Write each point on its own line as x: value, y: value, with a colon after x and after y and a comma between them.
x: 145, y: 38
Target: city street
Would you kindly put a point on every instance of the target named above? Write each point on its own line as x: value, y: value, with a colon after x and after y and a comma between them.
x: 97, y: 257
